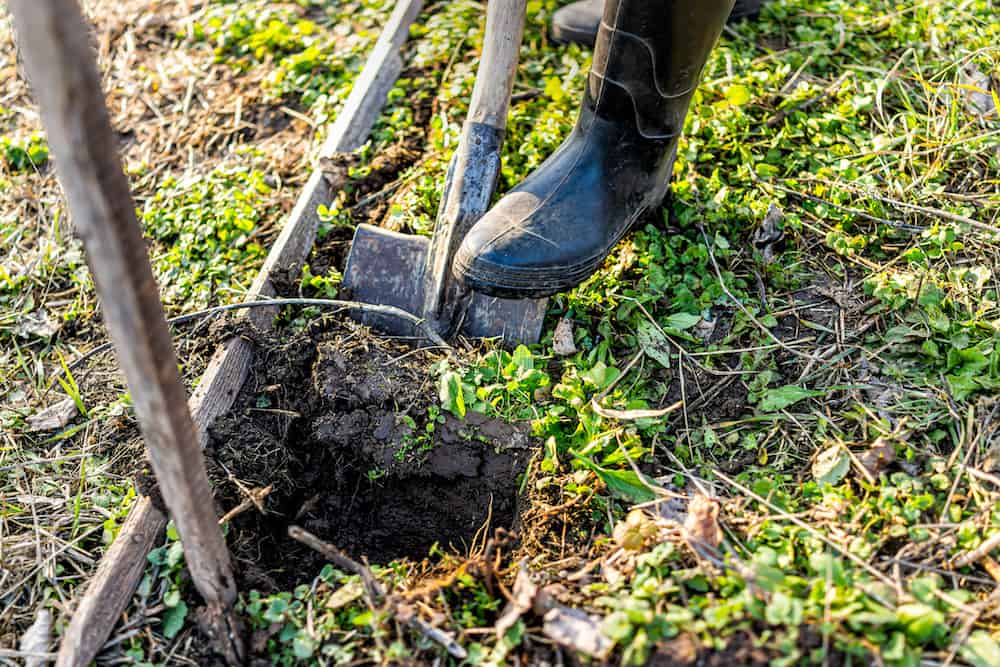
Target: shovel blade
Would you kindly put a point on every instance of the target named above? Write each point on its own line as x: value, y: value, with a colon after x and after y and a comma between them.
x: 514, y: 321
x: 387, y: 269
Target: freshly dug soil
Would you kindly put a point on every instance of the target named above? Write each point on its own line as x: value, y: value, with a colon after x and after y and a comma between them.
x: 344, y: 427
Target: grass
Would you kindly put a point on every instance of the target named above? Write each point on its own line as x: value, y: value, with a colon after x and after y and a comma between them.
x: 838, y: 365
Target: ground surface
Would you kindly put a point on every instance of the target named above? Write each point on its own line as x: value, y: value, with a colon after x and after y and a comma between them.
x: 819, y: 293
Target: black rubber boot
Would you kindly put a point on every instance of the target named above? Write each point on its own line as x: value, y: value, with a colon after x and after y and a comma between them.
x: 578, y: 21
x: 554, y: 229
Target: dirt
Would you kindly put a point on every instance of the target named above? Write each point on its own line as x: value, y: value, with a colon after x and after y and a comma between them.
x: 343, y: 428
x: 750, y: 648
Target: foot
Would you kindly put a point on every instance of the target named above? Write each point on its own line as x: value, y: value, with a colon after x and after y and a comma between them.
x: 578, y: 21
x: 554, y: 229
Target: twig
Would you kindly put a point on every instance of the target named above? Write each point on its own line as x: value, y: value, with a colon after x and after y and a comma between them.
x: 972, y: 472
x: 390, y: 311
x: 11, y: 653
x: 927, y: 210
x: 970, y: 443
x: 744, y: 309
x: 255, y: 498
x: 408, y: 615
x: 983, y: 549
x: 630, y: 415
x: 372, y: 587
x: 916, y: 229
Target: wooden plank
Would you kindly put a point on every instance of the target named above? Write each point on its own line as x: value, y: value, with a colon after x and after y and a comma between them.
x: 110, y: 590
x: 354, y: 122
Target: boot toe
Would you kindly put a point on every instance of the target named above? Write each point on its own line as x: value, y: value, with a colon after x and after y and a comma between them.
x: 578, y: 22
x: 500, y: 254
x: 519, y: 249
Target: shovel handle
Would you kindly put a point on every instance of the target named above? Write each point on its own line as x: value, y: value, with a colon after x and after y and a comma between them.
x: 498, y: 63
x: 475, y: 165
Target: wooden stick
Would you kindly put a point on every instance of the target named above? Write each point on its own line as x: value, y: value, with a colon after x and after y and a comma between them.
x: 490, y: 99
x: 110, y: 590
x: 373, y: 589
x: 67, y: 85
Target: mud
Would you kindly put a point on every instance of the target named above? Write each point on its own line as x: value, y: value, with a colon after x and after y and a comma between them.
x: 343, y: 427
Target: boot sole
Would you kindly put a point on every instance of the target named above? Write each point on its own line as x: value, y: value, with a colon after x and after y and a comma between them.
x: 523, y: 285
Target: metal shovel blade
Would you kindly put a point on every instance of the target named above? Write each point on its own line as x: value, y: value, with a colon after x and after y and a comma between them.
x: 387, y: 268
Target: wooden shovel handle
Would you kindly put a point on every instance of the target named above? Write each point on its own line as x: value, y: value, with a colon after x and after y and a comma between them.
x: 498, y: 65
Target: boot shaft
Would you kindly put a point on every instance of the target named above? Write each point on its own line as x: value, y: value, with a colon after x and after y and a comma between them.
x: 648, y: 60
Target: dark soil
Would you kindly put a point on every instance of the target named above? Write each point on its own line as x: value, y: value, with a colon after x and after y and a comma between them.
x: 347, y: 433
x: 747, y: 648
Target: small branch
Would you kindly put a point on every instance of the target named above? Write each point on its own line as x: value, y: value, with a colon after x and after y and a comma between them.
x: 979, y: 552
x: 631, y: 415
x: 255, y: 498
x: 915, y: 229
x: 926, y: 210
x: 390, y: 311
x: 373, y: 588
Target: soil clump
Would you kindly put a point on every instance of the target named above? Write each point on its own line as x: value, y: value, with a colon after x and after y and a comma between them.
x: 343, y: 427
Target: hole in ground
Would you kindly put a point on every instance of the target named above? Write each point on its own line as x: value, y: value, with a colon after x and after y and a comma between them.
x: 348, y: 436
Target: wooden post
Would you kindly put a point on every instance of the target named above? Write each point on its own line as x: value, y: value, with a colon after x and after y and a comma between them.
x: 66, y: 84
x: 108, y: 592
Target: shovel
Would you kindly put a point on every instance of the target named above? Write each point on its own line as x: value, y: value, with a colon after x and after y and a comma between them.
x: 413, y: 272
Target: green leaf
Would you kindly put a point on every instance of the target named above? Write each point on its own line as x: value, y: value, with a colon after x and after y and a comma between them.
x: 783, y: 610
x: 175, y: 554
x: 172, y: 598
x: 625, y: 484
x: 601, y: 375
x: 276, y: 610
x: 681, y: 321
x: 780, y: 398
x: 173, y: 619
x: 831, y: 465
x: 920, y: 621
x: 737, y: 95
x: 895, y: 648
x: 523, y: 358
x: 980, y: 650
x: 451, y: 396
x: 554, y: 89
x: 364, y: 618
x: 303, y: 646
x: 827, y: 565
x: 653, y: 343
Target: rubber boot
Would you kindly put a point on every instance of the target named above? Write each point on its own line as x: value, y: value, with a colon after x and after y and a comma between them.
x: 554, y: 230
x: 578, y: 21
